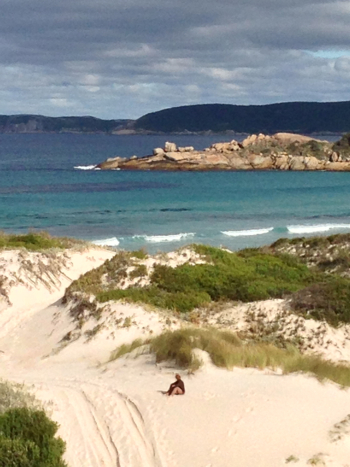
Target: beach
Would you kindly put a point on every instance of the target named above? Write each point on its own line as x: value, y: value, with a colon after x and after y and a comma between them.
x: 115, y: 414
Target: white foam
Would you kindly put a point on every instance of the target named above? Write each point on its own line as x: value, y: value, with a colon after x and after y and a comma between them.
x: 107, y: 242
x: 86, y: 167
x: 246, y: 233
x: 164, y: 238
x: 301, y: 229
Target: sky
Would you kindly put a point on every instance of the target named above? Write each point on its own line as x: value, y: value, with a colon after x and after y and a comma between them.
x: 124, y: 58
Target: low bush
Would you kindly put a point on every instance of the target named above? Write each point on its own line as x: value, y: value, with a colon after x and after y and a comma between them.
x: 18, y: 453
x: 328, y: 300
x: 247, y: 276
x: 36, y: 241
x: 159, y: 298
x: 33, y: 429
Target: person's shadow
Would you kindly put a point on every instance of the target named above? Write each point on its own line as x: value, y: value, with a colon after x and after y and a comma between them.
x: 163, y: 392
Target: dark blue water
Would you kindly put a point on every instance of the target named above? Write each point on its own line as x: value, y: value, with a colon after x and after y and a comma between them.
x: 41, y: 190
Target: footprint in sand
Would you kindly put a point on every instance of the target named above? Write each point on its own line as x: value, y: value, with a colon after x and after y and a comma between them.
x: 214, y: 450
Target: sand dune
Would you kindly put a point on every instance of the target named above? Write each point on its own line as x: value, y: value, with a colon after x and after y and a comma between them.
x: 115, y: 415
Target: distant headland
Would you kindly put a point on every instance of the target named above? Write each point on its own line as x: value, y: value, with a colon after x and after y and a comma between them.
x: 290, y: 117
x: 281, y: 151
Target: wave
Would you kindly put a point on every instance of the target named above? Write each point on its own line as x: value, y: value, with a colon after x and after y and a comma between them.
x: 164, y: 238
x: 301, y: 229
x: 107, y: 242
x: 86, y: 167
x: 246, y: 233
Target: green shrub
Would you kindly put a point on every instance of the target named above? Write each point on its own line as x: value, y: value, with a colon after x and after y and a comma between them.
x: 328, y: 300
x: 36, y: 241
x: 139, y: 271
x: 34, y: 426
x: 153, y: 296
x: 247, y: 276
x: 139, y: 254
x: 18, y: 453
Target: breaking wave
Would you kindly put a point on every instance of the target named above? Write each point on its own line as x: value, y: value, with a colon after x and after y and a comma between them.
x: 107, y: 242
x: 164, y: 238
x: 309, y: 229
x: 86, y: 167
x: 246, y: 233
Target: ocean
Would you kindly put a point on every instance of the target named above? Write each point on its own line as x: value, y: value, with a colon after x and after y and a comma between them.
x: 48, y: 182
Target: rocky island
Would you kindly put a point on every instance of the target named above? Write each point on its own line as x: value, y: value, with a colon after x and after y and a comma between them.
x: 281, y: 151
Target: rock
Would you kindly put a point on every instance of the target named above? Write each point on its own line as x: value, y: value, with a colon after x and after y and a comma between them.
x: 158, y: 151
x: 251, y: 139
x: 311, y: 163
x: 239, y: 163
x: 297, y: 163
x: 170, y: 147
x: 261, y: 162
x: 282, y: 162
x: 338, y: 166
x: 334, y: 157
x: 176, y: 156
x: 216, y: 159
x: 109, y: 164
x: 186, y: 149
x: 133, y: 158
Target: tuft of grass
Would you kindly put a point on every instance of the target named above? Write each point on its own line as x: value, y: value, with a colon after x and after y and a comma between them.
x: 292, y: 458
x: 139, y: 254
x: 139, y: 271
x: 36, y: 241
x: 13, y: 395
x: 227, y: 350
x: 125, y: 349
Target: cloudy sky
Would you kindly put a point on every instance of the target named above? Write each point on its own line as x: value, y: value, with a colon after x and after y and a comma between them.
x: 124, y: 58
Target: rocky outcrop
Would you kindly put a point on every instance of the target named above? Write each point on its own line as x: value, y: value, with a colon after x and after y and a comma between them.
x: 282, y: 151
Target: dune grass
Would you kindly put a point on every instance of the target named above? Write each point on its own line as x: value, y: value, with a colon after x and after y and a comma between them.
x: 13, y: 395
x: 36, y: 241
x: 227, y: 350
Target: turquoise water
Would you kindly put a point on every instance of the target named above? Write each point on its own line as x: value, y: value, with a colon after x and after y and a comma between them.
x: 41, y: 190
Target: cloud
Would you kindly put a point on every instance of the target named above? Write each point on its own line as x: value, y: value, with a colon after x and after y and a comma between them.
x: 117, y: 59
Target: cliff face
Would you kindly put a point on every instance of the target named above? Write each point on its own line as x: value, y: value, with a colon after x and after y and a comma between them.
x: 282, y: 151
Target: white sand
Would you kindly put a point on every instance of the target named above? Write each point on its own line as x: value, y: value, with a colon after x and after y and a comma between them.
x: 115, y: 414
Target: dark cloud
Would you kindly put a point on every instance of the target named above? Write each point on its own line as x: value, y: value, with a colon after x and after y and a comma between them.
x: 122, y: 59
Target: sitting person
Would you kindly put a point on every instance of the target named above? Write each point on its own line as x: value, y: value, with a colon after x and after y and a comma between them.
x: 177, y: 388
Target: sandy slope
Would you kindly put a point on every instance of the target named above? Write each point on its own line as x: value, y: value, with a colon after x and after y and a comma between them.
x: 115, y: 415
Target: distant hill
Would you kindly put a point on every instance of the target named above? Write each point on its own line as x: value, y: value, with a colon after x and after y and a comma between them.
x: 296, y: 117
x: 41, y: 124
x: 293, y: 117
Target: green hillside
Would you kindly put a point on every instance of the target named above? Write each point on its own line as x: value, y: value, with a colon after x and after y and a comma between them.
x: 297, y: 117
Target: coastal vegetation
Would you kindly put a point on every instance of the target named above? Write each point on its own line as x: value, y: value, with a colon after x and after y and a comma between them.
x: 36, y: 241
x: 245, y: 276
x: 27, y: 434
x: 311, y: 273
x: 227, y: 350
